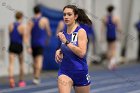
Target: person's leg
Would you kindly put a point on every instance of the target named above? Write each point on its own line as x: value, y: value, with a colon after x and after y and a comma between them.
x: 113, y: 49
x: 112, y: 64
x: 64, y: 84
x: 109, y: 51
x: 11, y: 69
x: 38, y: 65
x: 37, y: 68
x: 21, y: 71
x: 82, y: 89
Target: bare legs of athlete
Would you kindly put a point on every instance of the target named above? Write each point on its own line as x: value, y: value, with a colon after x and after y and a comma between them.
x: 11, y: 70
x: 65, y: 84
x: 111, y: 55
x: 37, y: 69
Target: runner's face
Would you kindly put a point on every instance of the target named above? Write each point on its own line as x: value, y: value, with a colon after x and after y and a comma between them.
x: 69, y: 16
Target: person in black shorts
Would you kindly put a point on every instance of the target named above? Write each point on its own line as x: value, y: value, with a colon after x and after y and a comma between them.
x: 37, y: 28
x: 16, y: 33
x: 111, y: 23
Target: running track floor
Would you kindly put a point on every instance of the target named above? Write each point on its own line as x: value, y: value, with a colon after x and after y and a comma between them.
x: 125, y: 79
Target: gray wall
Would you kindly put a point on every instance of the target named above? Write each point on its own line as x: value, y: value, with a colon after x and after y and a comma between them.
x: 95, y: 9
x: 132, y: 41
x: 7, y: 11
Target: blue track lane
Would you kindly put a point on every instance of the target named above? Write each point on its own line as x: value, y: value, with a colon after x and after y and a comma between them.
x: 123, y: 80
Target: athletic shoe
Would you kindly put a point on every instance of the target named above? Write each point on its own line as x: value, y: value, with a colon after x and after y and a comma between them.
x: 11, y: 82
x: 21, y: 84
x: 36, y: 81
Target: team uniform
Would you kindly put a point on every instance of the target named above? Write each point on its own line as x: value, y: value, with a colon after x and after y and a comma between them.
x: 89, y: 31
x: 38, y: 38
x: 111, y: 30
x: 72, y: 65
x: 15, y: 40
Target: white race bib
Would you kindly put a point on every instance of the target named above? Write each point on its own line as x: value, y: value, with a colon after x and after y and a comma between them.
x: 74, y: 37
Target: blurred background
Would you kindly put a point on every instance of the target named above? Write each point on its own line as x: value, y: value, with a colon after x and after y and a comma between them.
x: 127, y: 10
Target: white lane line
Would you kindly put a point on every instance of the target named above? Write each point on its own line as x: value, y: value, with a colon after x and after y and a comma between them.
x: 52, y: 90
x: 135, y: 91
x: 52, y: 83
x: 112, y: 87
x: 48, y: 91
x: 99, y: 78
x: 118, y: 80
x: 30, y: 87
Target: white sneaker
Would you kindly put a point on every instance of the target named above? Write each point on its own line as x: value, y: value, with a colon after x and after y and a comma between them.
x: 112, y: 64
x: 36, y: 81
